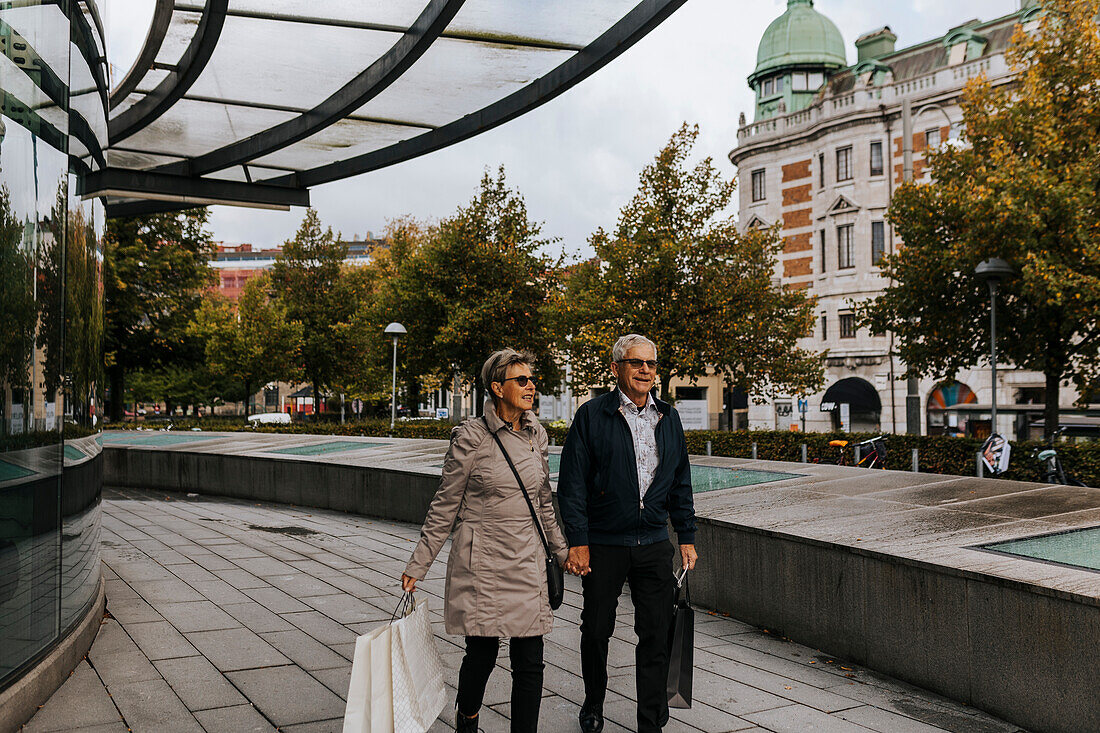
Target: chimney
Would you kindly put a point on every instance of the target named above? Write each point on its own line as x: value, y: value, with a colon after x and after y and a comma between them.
x: 874, y: 44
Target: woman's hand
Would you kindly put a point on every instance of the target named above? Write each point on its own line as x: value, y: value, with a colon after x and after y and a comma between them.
x: 408, y: 583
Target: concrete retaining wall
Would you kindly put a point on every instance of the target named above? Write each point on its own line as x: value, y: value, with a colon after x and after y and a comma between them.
x: 1023, y: 653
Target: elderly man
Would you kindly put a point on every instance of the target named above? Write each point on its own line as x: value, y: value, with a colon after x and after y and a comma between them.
x: 624, y: 472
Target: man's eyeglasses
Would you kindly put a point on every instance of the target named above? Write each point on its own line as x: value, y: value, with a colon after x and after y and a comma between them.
x: 521, y: 380
x: 638, y: 363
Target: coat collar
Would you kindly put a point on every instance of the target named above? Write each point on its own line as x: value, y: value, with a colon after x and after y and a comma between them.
x: 526, y: 420
x: 610, y: 403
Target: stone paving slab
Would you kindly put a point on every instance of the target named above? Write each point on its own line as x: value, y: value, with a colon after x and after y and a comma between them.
x: 249, y: 622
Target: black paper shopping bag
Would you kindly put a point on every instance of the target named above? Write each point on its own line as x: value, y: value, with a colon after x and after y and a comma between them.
x: 681, y: 650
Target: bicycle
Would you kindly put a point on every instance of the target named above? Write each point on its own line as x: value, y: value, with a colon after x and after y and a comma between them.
x: 1051, y: 470
x: 873, y: 458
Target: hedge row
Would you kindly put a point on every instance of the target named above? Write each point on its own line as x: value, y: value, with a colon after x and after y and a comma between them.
x: 937, y: 454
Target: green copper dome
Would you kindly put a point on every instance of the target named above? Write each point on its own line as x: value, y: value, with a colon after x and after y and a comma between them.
x: 800, y: 37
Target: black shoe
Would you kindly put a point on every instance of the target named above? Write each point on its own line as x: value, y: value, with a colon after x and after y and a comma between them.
x: 464, y: 724
x: 591, y: 718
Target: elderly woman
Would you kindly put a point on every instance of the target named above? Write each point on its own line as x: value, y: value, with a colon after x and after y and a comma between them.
x: 496, y: 572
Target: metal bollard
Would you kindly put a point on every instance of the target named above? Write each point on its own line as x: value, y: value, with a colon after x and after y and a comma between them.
x: 857, y: 452
x: 754, y: 451
x: 981, y: 468
x: 553, y: 441
x: 803, y: 452
x: 916, y: 460
x: 708, y: 447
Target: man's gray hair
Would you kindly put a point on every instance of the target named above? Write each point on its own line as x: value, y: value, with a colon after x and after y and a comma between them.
x: 495, y: 368
x: 628, y: 342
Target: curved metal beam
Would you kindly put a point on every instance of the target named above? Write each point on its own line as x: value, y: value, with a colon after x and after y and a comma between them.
x: 645, y: 16
x: 158, y: 29
x: 176, y: 84
x: 366, y: 85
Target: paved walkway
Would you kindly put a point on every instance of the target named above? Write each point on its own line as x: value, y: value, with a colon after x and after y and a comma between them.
x: 230, y: 617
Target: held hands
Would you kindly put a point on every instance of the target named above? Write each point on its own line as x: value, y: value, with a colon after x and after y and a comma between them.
x: 688, y: 557
x: 408, y: 583
x: 577, y: 563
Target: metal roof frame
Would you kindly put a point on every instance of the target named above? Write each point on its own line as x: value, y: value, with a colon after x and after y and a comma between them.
x: 193, y: 174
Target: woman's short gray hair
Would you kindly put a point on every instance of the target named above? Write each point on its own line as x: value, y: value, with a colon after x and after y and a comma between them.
x: 628, y: 342
x: 496, y: 366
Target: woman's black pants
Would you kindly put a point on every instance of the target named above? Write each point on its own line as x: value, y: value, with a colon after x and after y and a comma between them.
x: 477, y: 665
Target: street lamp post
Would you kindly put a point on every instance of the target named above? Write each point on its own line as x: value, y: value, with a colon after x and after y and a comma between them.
x: 394, y: 329
x: 993, y: 271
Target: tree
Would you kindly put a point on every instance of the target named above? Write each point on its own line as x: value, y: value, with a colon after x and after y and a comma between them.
x: 309, y: 280
x: 678, y: 272
x: 18, y: 310
x: 1025, y: 187
x: 155, y: 273
x: 473, y: 284
x: 252, y: 343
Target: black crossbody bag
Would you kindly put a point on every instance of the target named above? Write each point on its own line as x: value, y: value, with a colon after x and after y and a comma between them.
x: 555, y: 576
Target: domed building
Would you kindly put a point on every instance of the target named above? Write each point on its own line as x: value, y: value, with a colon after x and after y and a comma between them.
x: 798, y: 51
x: 821, y: 159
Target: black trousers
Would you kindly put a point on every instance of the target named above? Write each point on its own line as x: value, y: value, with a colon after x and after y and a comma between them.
x: 649, y: 570
x: 481, y: 656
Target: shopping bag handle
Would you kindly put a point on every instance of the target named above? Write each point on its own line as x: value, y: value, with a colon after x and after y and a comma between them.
x: 680, y: 578
x: 404, y: 605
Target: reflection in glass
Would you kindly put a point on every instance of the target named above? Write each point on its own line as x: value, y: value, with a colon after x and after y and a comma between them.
x: 51, y: 330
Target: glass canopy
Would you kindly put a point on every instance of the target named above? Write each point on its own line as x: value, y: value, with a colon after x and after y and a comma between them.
x: 252, y: 102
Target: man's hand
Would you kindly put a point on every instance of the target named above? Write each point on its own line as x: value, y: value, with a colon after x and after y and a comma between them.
x: 688, y: 556
x: 408, y: 583
x: 577, y: 564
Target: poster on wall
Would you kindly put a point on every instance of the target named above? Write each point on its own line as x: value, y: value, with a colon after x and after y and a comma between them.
x: 693, y: 414
x: 17, y: 425
x: 845, y: 417
x: 51, y: 415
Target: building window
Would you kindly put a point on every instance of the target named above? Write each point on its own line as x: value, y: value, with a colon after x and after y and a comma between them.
x: 758, y: 188
x: 821, y: 236
x: 768, y: 86
x: 932, y: 137
x: 778, y: 84
x: 824, y: 328
x: 878, y: 242
x: 844, y: 163
x: 847, y: 325
x: 798, y: 81
x: 876, y: 158
x: 821, y: 169
x: 845, y: 257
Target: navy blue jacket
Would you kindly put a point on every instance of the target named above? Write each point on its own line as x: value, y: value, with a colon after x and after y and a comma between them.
x: 598, y: 480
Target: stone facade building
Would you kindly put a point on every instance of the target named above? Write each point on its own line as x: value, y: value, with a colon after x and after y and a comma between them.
x: 821, y: 159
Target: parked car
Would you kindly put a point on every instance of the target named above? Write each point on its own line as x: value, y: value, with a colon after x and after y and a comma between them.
x: 270, y: 418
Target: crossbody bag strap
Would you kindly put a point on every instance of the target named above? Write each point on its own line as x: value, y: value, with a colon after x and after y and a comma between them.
x: 522, y: 488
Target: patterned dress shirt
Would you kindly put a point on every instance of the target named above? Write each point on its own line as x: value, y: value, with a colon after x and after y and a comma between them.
x: 643, y: 428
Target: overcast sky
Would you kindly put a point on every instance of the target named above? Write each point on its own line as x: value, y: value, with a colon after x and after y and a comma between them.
x: 576, y: 159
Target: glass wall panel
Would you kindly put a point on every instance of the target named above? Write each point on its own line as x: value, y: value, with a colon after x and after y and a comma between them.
x: 50, y: 337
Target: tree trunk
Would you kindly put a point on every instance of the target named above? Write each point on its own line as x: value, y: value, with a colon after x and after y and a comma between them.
x: 118, y: 393
x: 413, y: 391
x: 666, y: 388
x: 1050, y: 410
x: 247, y: 398
x: 479, y: 401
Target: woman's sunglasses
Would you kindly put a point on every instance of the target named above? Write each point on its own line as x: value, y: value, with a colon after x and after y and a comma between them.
x: 521, y: 380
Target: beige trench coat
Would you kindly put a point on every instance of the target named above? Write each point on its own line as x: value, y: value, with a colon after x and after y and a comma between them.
x: 496, y: 572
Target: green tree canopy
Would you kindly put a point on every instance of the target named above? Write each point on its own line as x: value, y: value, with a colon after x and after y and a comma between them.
x: 471, y: 285
x: 678, y: 271
x: 310, y: 281
x: 251, y: 342
x: 1025, y: 187
x: 155, y: 273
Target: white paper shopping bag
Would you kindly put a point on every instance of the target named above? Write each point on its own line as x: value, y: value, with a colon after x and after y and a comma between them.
x: 370, y: 692
x: 418, y: 691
